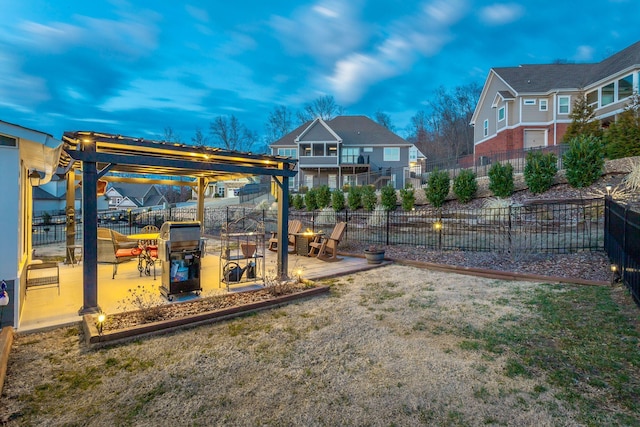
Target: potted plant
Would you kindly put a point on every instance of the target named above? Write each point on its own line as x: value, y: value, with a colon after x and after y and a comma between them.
x: 374, y: 255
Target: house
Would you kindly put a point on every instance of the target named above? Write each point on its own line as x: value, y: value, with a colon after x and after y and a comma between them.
x: 28, y: 158
x: 529, y: 106
x: 346, y: 150
x: 51, y: 197
x: 131, y: 196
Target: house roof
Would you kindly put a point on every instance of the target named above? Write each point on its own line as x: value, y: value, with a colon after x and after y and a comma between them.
x: 543, y: 78
x: 40, y: 194
x: 132, y: 189
x: 353, y: 130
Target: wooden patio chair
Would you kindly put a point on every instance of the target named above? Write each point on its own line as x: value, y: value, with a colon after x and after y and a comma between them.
x: 115, y: 248
x: 328, y: 244
x: 294, y: 226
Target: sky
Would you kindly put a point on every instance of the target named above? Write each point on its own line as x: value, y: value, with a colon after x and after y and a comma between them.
x: 137, y: 67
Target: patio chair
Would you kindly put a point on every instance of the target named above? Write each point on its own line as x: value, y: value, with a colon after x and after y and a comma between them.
x: 294, y: 226
x: 328, y: 244
x: 115, y: 248
x: 150, y: 245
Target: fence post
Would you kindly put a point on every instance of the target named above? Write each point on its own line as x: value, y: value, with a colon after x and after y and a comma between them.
x: 388, y: 226
x: 509, y: 231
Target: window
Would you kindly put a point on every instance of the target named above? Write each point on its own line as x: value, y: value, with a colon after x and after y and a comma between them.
x: 529, y: 102
x: 368, y: 149
x: 485, y: 128
x: 332, y: 150
x: 563, y: 104
x: 308, y: 181
x: 318, y: 149
x: 544, y: 105
x: 501, y: 114
x: 592, y: 98
x: 608, y: 92
x: 625, y: 87
x: 391, y: 154
x: 7, y: 141
x: 349, y: 180
x: 305, y: 150
x: 288, y: 152
x: 332, y: 181
x: 350, y: 155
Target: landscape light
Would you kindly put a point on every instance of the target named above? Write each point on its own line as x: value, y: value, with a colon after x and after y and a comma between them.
x: 100, y: 323
x: 437, y: 225
x: 608, y: 187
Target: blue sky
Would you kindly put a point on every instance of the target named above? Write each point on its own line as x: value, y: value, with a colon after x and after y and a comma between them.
x: 136, y: 67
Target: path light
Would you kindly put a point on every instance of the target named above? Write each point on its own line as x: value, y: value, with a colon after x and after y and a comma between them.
x: 437, y: 225
x: 608, y: 187
x: 100, y: 323
x: 614, y: 273
x: 299, y: 274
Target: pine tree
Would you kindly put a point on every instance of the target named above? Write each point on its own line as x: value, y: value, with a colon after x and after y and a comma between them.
x: 583, y: 120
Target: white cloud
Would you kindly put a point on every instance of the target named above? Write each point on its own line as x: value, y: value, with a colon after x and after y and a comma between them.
x: 408, y: 39
x: 196, y: 13
x: 156, y: 94
x: 501, y: 13
x: 583, y: 53
x: 325, y: 31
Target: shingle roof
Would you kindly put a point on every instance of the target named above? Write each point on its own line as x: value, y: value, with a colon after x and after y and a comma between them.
x: 354, y: 130
x: 547, y: 77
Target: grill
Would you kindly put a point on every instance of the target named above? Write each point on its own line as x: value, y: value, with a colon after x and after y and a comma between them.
x: 180, y: 249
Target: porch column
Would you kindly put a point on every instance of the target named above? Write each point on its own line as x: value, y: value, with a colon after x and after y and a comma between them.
x: 90, y: 231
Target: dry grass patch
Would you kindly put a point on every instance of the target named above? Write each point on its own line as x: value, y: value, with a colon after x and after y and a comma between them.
x: 390, y: 346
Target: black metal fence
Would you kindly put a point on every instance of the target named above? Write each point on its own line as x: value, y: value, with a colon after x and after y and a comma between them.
x: 622, y: 243
x: 566, y: 227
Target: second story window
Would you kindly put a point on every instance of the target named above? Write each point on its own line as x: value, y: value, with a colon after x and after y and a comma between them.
x: 288, y: 152
x: 563, y: 104
x: 485, y: 128
x: 350, y: 155
x: 544, y: 106
x: 318, y: 150
x: 305, y: 150
x: 501, y: 114
x: 391, y: 154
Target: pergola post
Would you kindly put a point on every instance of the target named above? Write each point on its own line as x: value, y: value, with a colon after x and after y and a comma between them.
x: 71, y: 215
x: 282, y: 255
x: 90, y: 230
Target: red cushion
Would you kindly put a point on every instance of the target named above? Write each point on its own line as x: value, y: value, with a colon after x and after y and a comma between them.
x: 120, y: 253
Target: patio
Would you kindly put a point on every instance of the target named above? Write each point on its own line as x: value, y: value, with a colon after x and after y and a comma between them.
x: 44, y: 308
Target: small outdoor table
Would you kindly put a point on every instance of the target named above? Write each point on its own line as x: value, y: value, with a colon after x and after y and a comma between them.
x: 302, y: 241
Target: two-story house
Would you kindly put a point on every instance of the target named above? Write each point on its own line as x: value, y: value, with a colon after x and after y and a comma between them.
x: 346, y: 150
x: 529, y: 106
x: 131, y: 196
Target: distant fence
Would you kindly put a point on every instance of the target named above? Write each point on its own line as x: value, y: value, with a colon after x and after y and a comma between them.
x: 565, y: 227
x: 622, y: 243
x: 481, y: 165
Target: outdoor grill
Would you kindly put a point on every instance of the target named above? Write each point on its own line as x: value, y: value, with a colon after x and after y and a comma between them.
x: 180, y: 248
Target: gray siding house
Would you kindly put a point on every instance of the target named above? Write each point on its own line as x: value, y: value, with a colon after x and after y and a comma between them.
x: 346, y: 150
x: 529, y: 106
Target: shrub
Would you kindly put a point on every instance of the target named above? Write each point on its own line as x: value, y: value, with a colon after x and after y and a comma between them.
x: 298, y: 201
x: 501, y: 179
x: 584, y: 161
x: 623, y: 136
x: 304, y: 189
x: 408, y: 197
x: 323, y: 196
x: 539, y: 171
x: 310, y: 200
x: 437, y: 188
x: 388, y: 198
x: 354, y: 198
x: 337, y: 200
x: 368, y: 198
x: 465, y: 186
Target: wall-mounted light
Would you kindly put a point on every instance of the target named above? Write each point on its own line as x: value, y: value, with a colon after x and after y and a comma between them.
x: 608, y: 187
x: 34, y: 178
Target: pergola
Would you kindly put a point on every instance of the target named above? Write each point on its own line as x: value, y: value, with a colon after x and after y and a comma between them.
x: 118, y: 158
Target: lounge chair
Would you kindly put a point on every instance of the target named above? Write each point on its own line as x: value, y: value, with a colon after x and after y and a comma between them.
x: 328, y: 244
x: 294, y: 226
x: 115, y: 248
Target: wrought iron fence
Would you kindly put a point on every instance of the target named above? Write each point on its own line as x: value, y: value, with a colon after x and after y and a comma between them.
x: 622, y: 237
x: 565, y: 227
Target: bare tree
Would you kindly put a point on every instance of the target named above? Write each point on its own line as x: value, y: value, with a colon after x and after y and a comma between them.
x: 383, y: 119
x: 230, y: 134
x: 324, y: 107
x: 170, y: 135
x: 199, y: 139
x: 279, y: 123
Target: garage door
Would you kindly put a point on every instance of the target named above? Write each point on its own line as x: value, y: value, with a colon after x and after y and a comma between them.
x: 534, y: 138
